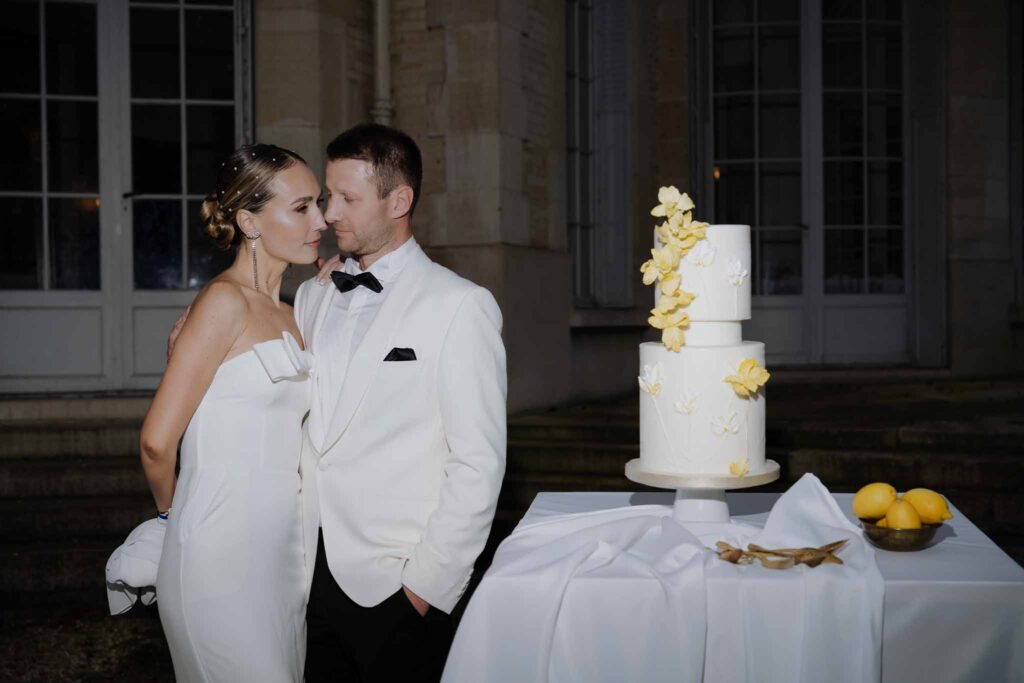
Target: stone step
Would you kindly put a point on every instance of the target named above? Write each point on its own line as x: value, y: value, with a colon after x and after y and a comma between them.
x: 935, y: 470
x: 53, y: 518
x: 63, y: 438
x: 74, y: 476
x: 67, y: 567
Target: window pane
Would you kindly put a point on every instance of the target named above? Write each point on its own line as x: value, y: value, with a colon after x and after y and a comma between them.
x: 844, y: 9
x: 70, y: 49
x: 885, y: 64
x: 844, y: 192
x: 841, y: 52
x: 844, y: 124
x: 734, y: 60
x: 156, y: 244
x: 778, y: 10
x: 21, y: 165
x: 844, y: 261
x: 584, y: 252
x: 734, y: 194
x: 209, y: 55
x: 572, y: 200
x: 780, y: 194
x: 734, y: 127
x: 733, y: 11
x: 205, y: 259
x: 155, y: 55
x: 75, y: 243
x: 586, y: 188
x: 156, y: 148
x: 885, y: 10
x: 780, y: 126
x: 19, y: 44
x: 885, y: 201
x: 781, y: 261
x: 885, y: 261
x: 73, y: 131
x: 211, y: 138
x: 21, y: 259
x: 779, y: 59
x: 885, y: 125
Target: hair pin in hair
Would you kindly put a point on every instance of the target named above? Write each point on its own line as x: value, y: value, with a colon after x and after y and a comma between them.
x: 234, y: 167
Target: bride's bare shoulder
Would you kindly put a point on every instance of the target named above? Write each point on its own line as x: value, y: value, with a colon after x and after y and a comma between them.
x: 221, y: 300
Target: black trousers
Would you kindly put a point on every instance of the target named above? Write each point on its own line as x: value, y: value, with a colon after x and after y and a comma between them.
x: 386, y: 642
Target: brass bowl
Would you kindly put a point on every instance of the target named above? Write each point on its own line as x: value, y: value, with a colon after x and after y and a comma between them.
x: 900, y: 540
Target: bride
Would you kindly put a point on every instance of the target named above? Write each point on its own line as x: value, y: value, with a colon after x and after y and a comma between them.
x: 231, y: 581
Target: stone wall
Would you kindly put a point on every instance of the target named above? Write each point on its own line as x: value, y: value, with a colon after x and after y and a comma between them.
x: 313, y: 79
x: 981, y: 263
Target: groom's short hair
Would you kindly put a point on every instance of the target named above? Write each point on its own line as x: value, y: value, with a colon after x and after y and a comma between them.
x: 394, y: 156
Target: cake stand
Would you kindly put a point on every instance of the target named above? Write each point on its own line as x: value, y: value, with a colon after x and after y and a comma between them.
x: 701, y: 498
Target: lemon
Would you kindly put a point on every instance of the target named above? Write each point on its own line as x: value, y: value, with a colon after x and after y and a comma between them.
x: 872, y: 501
x: 902, y: 515
x: 931, y: 506
x: 882, y: 523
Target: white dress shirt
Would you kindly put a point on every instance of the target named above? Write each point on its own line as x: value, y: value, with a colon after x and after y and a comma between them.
x: 348, y: 318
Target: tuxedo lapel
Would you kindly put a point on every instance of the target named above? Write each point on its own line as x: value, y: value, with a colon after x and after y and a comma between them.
x: 369, y: 356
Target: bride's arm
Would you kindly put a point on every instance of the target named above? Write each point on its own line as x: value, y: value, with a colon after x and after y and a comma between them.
x: 216, y: 321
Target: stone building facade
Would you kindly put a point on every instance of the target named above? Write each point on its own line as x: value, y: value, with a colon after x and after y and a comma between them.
x: 491, y: 91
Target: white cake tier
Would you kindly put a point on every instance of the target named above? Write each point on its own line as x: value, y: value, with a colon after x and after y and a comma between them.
x: 709, y: 333
x: 717, y: 270
x: 695, y: 423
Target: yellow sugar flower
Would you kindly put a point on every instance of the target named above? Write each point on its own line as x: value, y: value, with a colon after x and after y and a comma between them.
x: 673, y: 338
x: 650, y: 272
x: 749, y: 378
x: 670, y: 201
x: 677, y: 299
x: 666, y: 259
x: 739, y: 468
x: 670, y: 283
x: 663, y: 321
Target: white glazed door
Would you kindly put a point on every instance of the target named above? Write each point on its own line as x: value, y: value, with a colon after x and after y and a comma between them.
x: 111, y: 124
x: 807, y: 138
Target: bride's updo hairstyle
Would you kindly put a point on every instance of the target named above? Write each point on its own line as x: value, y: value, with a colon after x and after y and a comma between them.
x: 243, y: 182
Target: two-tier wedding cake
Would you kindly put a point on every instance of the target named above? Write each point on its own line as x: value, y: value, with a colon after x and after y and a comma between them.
x: 702, y: 405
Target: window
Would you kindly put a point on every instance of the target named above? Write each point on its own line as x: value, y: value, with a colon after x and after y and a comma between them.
x: 863, y: 134
x: 755, y: 91
x: 49, y: 130
x: 185, y: 118
x: 580, y: 151
x: 598, y: 153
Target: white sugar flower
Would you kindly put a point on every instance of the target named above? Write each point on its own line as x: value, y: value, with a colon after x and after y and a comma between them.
x: 686, y: 404
x: 703, y: 254
x: 737, y: 273
x: 651, y: 379
x: 725, y: 424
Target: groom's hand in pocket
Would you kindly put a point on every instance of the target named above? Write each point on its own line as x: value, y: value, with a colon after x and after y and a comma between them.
x: 418, y: 603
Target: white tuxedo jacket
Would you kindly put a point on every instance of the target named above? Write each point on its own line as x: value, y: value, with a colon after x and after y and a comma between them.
x: 406, y: 484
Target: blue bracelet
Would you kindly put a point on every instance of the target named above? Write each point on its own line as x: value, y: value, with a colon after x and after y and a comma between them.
x: 164, y: 515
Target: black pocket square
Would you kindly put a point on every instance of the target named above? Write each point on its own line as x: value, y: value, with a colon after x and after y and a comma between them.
x: 400, y: 354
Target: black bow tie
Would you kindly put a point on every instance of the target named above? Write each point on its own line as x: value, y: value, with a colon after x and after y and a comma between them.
x: 345, y: 282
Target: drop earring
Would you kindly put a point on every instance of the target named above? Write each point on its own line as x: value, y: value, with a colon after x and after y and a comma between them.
x: 252, y: 237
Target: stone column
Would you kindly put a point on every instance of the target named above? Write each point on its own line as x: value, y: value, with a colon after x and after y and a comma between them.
x: 480, y: 86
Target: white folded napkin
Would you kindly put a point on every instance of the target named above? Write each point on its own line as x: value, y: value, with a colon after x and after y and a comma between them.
x: 800, y: 624
x: 132, y: 568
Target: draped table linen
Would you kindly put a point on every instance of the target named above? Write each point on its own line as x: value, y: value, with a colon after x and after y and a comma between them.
x: 606, y: 586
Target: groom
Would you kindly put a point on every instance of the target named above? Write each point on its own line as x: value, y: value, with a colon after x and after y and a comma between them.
x: 404, y: 447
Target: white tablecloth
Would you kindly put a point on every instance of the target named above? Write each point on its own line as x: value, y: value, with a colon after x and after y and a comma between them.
x: 952, y: 612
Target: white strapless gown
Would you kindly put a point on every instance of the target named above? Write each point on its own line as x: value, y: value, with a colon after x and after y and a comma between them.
x: 231, y: 581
